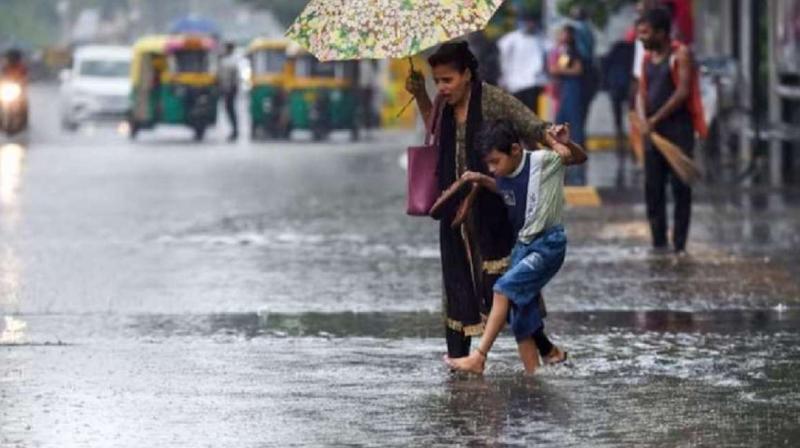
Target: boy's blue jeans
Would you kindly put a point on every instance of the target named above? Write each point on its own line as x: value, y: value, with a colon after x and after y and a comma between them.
x: 533, y: 265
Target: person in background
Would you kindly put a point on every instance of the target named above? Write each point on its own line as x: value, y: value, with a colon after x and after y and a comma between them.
x: 584, y: 37
x: 368, y: 84
x: 668, y: 103
x: 14, y: 67
x: 642, y: 6
x: 567, y: 69
x: 617, y: 79
x: 229, y: 87
x: 488, y: 55
x: 585, y: 44
x: 523, y: 55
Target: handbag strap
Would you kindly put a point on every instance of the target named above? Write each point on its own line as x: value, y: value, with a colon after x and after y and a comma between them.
x: 435, y: 119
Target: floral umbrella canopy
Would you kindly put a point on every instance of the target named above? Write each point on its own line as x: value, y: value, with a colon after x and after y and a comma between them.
x: 377, y: 29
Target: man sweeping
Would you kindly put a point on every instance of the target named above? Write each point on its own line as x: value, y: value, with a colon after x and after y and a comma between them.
x: 668, y: 104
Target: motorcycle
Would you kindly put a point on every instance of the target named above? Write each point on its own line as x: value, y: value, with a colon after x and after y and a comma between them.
x: 13, y: 107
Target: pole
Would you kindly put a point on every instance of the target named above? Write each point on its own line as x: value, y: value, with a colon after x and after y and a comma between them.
x: 755, y: 75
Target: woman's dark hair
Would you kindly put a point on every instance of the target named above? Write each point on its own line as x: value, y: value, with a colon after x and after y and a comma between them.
x: 658, y: 18
x: 499, y: 135
x: 456, y: 54
x: 572, y: 44
x: 570, y: 30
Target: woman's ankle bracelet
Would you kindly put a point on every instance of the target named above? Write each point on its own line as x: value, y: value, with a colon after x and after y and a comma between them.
x: 483, y: 353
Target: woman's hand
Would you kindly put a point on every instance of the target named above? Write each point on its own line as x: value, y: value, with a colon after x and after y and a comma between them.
x: 560, y: 133
x: 472, y: 176
x: 415, y: 84
x: 480, y: 180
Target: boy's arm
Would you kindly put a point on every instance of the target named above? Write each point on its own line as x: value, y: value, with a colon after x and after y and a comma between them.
x: 482, y: 180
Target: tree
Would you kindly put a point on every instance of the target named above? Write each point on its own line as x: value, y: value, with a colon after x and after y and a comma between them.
x: 284, y: 10
x: 598, y: 11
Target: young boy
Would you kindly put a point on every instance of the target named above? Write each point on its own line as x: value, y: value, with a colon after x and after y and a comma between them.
x: 532, y: 186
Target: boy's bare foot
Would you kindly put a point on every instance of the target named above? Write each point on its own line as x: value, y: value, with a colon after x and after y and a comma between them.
x: 556, y: 356
x: 474, y: 363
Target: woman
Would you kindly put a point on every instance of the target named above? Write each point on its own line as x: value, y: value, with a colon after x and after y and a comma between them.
x: 567, y: 69
x: 475, y: 254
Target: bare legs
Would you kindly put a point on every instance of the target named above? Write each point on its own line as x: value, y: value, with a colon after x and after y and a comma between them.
x: 475, y: 362
x: 529, y: 355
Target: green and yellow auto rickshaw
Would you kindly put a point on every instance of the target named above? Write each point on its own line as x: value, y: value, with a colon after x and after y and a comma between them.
x: 174, y: 81
x: 322, y: 96
x: 269, y: 73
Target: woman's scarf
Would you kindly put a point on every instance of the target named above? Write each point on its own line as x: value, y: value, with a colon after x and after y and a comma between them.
x: 447, y: 138
x: 492, y: 227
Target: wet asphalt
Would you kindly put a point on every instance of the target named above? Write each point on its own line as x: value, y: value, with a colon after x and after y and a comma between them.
x: 168, y: 293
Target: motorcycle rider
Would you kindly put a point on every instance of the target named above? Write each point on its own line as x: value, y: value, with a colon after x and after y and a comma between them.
x: 15, y: 71
x: 14, y: 68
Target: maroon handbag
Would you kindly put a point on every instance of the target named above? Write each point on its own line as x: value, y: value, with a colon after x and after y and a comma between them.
x: 423, y: 182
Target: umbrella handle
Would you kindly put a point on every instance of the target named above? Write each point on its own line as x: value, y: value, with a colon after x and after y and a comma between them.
x: 404, y: 108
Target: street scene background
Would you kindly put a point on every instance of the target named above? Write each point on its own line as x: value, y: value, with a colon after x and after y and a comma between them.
x: 164, y: 291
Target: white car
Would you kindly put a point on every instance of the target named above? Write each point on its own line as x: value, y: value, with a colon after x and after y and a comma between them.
x: 97, y: 86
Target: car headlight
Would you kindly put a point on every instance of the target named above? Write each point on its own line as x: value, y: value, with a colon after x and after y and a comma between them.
x: 10, y: 92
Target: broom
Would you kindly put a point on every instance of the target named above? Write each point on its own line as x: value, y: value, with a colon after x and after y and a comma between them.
x: 635, y: 137
x: 681, y: 165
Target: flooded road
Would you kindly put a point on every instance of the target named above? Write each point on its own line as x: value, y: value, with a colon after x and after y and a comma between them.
x: 165, y: 293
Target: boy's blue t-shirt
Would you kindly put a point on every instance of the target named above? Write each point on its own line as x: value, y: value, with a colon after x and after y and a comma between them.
x: 513, y: 190
x: 534, y: 194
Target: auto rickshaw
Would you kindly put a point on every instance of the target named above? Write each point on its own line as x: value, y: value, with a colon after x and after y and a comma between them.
x: 269, y: 73
x: 322, y: 96
x: 174, y: 81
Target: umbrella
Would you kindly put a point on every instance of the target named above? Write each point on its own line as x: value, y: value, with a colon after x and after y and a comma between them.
x: 377, y: 29
x: 194, y: 24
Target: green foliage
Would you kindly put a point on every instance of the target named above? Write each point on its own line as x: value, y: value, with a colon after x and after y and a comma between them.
x: 28, y: 22
x: 36, y: 23
x: 505, y: 19
x: 285, y: 10
x: 534, y: 6
x: 598, y: 11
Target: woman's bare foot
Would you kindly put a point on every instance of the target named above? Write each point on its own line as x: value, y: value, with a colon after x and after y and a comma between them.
x: 556, y: 356
x: 474, y: 363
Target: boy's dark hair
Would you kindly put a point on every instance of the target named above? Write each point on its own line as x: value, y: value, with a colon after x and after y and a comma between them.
x: 456, y: 54
x: 499, y: 135
x: 658, y: 18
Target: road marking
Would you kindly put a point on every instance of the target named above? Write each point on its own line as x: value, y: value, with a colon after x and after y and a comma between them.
x: 582, y: 197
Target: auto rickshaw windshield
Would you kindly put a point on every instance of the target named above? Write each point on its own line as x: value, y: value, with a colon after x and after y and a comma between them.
x: 309, y: 67
x: 265, y: 62
x: 191, y: 61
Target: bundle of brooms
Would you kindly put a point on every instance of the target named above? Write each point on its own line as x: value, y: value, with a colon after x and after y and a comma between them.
x: 681, y: 164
